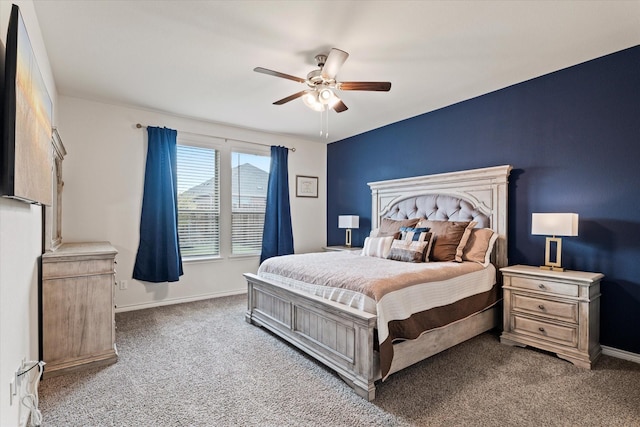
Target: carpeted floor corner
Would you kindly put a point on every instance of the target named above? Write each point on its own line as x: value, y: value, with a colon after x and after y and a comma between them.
x: 201, y: 364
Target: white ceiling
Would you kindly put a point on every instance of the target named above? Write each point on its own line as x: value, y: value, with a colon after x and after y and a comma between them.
x: 196, y: 58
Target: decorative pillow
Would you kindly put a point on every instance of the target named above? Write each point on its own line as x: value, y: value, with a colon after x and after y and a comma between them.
x: 415, y: 234
x: 479, y: 246
x: 390, y: 227
x: 464, y: 240
x: 448, y: 235
x: 408, y: 250
x: 377, y: 246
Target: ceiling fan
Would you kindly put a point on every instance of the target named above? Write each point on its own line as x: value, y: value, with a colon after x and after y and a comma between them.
x: 322, y: 83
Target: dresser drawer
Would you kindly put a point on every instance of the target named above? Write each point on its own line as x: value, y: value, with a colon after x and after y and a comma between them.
x: 565, y: 335
x: 542, y: 285
x: 565, y: 311
x: 55, y: 270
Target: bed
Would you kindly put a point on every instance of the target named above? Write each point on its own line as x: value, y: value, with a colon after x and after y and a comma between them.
x: 348, y: 332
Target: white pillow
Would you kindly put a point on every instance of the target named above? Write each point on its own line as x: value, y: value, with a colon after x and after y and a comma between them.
x: 377, y: 246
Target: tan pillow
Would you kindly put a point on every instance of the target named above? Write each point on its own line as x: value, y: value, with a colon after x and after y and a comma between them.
x: 377, y: 246
x: 391, y: 227
x: 448, y: 235
x: 479, y: 246
x: 464, y: 240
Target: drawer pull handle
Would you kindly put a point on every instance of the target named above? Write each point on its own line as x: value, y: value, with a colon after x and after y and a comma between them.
x: 541, y: 307
x: 541, y: 286
x: 541, y: 329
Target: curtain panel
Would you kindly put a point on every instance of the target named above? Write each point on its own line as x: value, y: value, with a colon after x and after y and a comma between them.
x: 277, y: 236
x: 158, y: 258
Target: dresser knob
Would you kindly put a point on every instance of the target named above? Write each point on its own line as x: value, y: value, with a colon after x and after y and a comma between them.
x: 541, y: 329
x: 541, y: 286
x: 541, y: 307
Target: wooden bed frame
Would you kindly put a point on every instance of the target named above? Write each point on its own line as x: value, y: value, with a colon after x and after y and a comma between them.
x: 342, y: 337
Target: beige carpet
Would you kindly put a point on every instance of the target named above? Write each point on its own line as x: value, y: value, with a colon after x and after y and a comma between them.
x: 201, y: 364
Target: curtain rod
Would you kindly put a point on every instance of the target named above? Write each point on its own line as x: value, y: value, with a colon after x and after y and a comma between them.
x: 293, y: 149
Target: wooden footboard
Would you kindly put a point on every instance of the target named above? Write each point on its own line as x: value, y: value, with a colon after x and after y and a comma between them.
x: 336, y: 335
x: 341, y: 337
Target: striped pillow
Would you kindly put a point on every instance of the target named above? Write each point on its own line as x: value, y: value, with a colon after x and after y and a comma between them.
x: 377, y: 246
x: 415, y: 234
x: 408, y: 250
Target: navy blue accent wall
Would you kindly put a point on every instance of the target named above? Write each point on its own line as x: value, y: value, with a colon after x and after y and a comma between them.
x: 573, y: 138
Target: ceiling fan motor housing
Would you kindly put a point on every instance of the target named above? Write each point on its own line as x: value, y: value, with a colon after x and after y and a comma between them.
x: 314, y: 78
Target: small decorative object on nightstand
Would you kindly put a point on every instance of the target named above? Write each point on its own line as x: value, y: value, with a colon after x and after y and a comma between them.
x: 353, y: 249
x: 554, y: 311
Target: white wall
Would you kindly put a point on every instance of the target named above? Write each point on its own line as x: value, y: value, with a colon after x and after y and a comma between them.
x: 20, y: 248
x: 103, y: 174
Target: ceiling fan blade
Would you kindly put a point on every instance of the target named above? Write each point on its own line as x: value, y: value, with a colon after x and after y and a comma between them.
x: 339, y: 107
x: 334, y: 61
x: 290, y: 98
x: 375, y: 86
x: 278, y: 74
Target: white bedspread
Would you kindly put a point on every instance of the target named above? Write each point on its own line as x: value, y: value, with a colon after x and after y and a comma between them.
x: 392, y: 290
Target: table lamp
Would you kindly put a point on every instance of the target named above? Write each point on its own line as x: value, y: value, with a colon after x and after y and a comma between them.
x: 348, y: 222
x: 554, y: 224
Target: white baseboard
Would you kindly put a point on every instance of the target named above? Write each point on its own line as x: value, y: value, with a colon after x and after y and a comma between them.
x: 621, y: 354
x: 134, y: 307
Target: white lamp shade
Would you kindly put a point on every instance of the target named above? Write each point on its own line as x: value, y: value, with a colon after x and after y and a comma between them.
x: 348, y: 221
x: 554, y: 224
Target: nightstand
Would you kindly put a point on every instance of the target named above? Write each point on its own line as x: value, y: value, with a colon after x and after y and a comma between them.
x: 556, y: 311
x: 354, y: 249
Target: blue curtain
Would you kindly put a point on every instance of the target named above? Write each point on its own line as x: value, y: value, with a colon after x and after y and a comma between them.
x: 158, y: 258
x: 277, y: 236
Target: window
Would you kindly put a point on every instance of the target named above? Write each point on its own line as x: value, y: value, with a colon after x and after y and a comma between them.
x: 249, y: 178
x: 198, y: 201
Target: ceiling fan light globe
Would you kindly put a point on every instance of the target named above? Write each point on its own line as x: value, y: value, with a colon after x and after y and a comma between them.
x: 326, y: 96
x: 311, y: 100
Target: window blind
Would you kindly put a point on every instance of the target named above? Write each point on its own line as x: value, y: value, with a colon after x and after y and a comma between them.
x: 198, y: 201
x: 249, y: 179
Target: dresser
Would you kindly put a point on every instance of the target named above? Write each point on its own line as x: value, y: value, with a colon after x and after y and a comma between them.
x: 556, y: 311
x: 78, y: 311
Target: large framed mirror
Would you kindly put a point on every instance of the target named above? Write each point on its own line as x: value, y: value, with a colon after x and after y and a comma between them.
x: 53, y: 214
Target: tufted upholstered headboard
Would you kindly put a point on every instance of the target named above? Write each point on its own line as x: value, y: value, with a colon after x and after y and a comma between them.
x: 473, y: 195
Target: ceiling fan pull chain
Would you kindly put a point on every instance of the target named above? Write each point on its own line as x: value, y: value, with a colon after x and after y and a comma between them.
x: 326, y: 133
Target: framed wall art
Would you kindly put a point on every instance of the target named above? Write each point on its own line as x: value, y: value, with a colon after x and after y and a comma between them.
x: 306, y: 186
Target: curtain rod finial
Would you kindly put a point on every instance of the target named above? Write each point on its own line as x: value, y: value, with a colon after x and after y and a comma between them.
x: 138, y: 125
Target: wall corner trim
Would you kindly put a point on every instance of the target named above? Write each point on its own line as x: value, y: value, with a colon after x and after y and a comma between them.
x: 621, y: 354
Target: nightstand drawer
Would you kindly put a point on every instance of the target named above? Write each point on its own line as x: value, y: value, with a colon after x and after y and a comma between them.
x: 565, y: 311
x: 565, y: 335
x: 541, y: 285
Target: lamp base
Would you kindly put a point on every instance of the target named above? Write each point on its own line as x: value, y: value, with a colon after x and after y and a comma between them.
x: 551, y: 268
x: 347, y: 242
x: 548, y: 263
